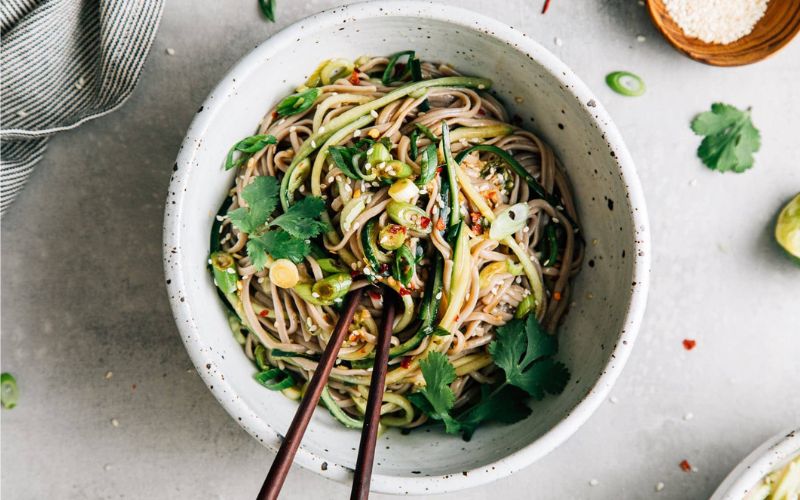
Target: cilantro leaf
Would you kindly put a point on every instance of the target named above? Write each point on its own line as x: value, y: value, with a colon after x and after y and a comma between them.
x: 730, y: 138
x: 279, y: 244
x: 524, y: 351
x: 300, y: 220
x: 436, y: 398
x: 261, y: 196
x: 506, y: 406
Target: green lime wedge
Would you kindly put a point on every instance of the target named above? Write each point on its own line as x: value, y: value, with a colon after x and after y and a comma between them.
x: 787, y: 230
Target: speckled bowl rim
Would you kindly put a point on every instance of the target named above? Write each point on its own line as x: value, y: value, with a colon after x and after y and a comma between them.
x: 458, y: 18
x: 773, y: 453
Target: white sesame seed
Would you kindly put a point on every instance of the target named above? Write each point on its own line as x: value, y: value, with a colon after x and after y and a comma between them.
x: 369, y: 151
x: 302, y: 188
x: 693, y: 182
x: 688, y: 416
x: 481, y: 86
x: 170, y: 51
x: 526, y: 229
x: 313, y: 144
x: 231, y: 270
x: 367, y: 166
x: 356, y: 225
x: 281, y: 121
x: 315, y: 295
x: 439, y: 296
x: 593, y: 482
x: 330, y: 180
x: 115, y: 422
x: 659, y: 486
x: 357, y: 133
x: 558, y: 42
x: 614, y: 400
x: 641, y: 39
x: 322, y: 129
x: 107, y: 467
x: 373, y: 113
x: 109, y: 374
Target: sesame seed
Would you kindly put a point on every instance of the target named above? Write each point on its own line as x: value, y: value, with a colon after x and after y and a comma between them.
x: 109, y: 375
x: 356, y: 225
x: 357, y: 133
x: 593, y: 482
x: 115, y: 422
x: 526, y: 229
x: 641, y: 39
x: 330, y: 180
x: 373, y: 113
x: 315, y: 295
x: 481, y: 86
x: 558, y: 42
x: 322, y: 129
x: 107, y: 467
x: 170, y: 51
x: 659, y: 486
x: 369, y: 151
x: 614, y: 400
x: 282, y: 121
x: 313, y: 144
x: 688, y: 416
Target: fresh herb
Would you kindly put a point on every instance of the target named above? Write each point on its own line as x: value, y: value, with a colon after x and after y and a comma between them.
x: 503, y: 404
x: 246, y: 148
x: 268, y: 9
x: 298, y: 103
x: 625, y: 83
x: 436, y: 398
x: 426, y: 131
x: 342, y: 156
x: 275, y: 379
x: 525, y: 353
x: 730, y: 138
x: 389, y: 76
x: 296, y: 226
x: 9, y: 392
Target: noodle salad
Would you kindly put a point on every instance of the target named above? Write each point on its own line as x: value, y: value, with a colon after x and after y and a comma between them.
x: 397, y: 173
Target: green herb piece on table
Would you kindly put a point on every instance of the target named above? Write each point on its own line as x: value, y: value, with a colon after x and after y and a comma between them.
x: 730, y: 138
x: 268, y: 9
x: 290, y: 241
x: 9, y: 392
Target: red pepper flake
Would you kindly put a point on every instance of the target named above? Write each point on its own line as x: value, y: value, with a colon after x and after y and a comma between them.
x: 406, y: 362
x: 689, y: 344
x: 374, y: 295
x: 384, y: 268
x: 264, y: 313
x: 424, y: 222
x: 440, y: 224
x: 685, y: 466
x: 274, y: 115
x: 354, y: 78
x: 397, y: 228
x: 438, y: 170
x: 557, y: 296
x: 545, y: 6
x: 133, y: 387
x: 481, y: 112
x: 355, y: 274
x: 404, y: 291
x: 475, y: 216
x: 477, y: 229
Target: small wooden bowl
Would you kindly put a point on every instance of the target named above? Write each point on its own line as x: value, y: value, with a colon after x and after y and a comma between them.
x: 780, y: 24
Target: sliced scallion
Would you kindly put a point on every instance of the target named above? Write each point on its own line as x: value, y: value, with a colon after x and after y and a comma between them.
x: 404, y: 265
x: 275, y: 379
x: 388, y: 74
x: 509, y: 221
x: 625, y: 83
x: 298, y: 103
x: 247, y: 147
x: 9, y: 392
x: 427, y: 169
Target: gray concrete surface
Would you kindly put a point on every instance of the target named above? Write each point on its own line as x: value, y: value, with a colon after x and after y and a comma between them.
x: 82, y: 291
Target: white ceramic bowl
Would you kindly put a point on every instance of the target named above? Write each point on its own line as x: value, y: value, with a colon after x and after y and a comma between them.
x: 610, y: 292
x: 773, y: 454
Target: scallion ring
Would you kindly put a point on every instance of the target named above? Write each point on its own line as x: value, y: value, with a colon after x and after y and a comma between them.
x: 625, y: 83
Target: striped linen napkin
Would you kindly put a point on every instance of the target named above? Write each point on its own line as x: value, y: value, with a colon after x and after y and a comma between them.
x: 64, y: 62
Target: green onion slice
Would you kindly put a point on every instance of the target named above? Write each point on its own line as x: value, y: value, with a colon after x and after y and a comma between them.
x: 247, y: 147
x: 9, y: 392
x: 268, y: 9
x: 427, y: 132
x: 787, y: 229
x: 388, y: 73
x: 297, y: 103
x: 509, y: 221
x: 625, y: 83
x: 430, y: 161
x: 275, y: 379
x: 404, y: 263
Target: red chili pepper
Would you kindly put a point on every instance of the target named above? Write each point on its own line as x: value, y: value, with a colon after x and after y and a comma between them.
x: 264, y: 313
x: 406, y: 362
x: 396, y: 228
x: 424, y: 222
x: 404, y: 291
x: 546, y: 6
x: 374, y: 295
x: 689, y: 344
x: 354, y: 78
x: 440, y: 224
x: 685, y: 466
x: 438, y: 170
x: 477, y: 229
x: 475, y: 216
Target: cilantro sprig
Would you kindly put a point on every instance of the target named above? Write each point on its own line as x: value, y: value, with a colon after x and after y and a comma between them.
x: 730, y: 138
x: 283, y: 237
x: 524, y: 351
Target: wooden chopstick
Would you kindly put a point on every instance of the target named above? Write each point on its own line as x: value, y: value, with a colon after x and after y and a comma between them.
x: 369, y: 433
x: 283, y: 461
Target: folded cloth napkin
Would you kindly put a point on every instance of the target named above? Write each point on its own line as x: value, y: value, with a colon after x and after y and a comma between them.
x: 64, y: 62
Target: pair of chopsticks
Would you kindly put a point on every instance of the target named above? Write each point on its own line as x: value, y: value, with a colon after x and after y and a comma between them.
x: 369, y: 433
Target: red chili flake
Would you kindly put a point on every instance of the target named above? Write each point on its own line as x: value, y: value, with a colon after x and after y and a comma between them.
x: 397, y: 228
x: 557, y: 296
x: 133, y: 387
x: 374, y: 295
x: 384, y: 268
x: 438, y: 170
x: 274, y: 115
x: 475, y: 216
x: 264, y: 313
x: 685, y: 466
x: 406, y: 362
x: 545, y: 6
x: 355, y: 274
x: 689, y: 344
x: 424, y: 222
x: 481, y: 112
x: 354, y: 78
x: 440, y: 224
x: 404, y: 291
x: 477, y: 229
